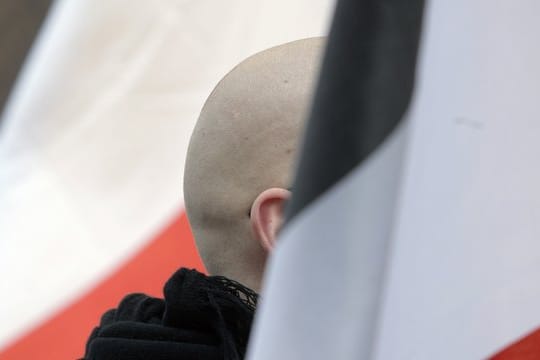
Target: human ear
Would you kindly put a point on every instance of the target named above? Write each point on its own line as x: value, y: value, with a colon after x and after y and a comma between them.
x: 267, y: 216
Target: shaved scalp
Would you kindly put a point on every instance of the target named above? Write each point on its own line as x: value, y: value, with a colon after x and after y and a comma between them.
x: 244, y: 142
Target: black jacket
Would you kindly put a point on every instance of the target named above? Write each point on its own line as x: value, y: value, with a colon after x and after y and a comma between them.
x: 201, y: 317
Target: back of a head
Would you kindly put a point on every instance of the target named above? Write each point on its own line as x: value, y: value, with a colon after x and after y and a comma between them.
x: 244, y: 142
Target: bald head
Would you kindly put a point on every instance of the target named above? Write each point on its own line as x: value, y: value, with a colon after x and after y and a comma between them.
x: 244, y: 144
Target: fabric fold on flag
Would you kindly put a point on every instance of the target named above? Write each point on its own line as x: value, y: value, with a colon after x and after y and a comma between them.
x: 428, y: 250
x: 322, y: 292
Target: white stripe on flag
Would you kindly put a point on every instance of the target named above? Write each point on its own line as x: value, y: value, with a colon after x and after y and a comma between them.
x: 464, y: 276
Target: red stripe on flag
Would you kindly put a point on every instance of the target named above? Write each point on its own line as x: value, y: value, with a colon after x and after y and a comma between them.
x: 64, y: 335
x: 528, y: 348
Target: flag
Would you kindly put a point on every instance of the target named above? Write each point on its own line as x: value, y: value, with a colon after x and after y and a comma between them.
x: 92, y: 149
x: 412, y: 230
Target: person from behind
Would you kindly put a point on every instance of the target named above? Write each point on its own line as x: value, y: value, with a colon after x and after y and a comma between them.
x: 237, y: 178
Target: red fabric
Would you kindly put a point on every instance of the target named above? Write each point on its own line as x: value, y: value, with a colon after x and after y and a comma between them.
x: 527, y: 348
x: 64, y: 335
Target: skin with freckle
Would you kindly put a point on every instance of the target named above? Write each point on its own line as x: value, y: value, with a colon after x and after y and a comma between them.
x: 244, y: 142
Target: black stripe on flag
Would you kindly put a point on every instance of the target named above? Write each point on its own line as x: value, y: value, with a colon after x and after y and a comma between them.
x: 364, y: 89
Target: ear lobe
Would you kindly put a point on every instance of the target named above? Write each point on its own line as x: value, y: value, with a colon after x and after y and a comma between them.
x: 267, y: 216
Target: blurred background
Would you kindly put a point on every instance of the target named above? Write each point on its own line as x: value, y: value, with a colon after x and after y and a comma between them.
x: 98, y: 101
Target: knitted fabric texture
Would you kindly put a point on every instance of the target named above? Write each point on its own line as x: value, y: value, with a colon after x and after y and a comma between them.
x: 201, y: 317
